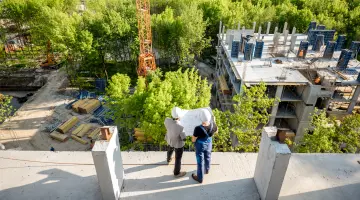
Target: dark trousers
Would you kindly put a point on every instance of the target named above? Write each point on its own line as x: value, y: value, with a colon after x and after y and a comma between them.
x: 178, y: 156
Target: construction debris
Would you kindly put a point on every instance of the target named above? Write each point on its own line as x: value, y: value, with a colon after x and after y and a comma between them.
x: 58, y: 136
x: 68, y: 125
x: 82, y: 141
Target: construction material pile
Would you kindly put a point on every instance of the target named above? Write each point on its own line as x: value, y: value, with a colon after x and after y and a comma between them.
x: 86, y: 106
x: 77, y: 132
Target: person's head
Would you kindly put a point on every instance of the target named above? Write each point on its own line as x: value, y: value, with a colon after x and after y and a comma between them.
x: 205, y: 117
x: 176, y: 113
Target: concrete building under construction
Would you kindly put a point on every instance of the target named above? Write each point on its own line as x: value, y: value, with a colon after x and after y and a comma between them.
x: 305, y: 71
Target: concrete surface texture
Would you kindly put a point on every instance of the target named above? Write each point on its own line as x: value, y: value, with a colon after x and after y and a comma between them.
x: 108, y: 165
x: 24, y: 180
x: 271, y: 165
x: 309, y: 177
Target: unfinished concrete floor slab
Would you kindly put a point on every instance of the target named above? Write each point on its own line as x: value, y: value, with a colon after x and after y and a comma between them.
x: 231, y: 179
x: 309, y: 177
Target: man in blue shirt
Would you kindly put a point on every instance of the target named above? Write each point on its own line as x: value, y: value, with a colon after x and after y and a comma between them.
x: 203, y: 144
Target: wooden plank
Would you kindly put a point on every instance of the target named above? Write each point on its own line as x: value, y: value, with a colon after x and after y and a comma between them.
x: 58, y: 136
x: 93, y: 133
x: 78, y: 129
x: 84, y: 130
x: 68, y: 125
x: 224, y: 88
x: 82, y: 141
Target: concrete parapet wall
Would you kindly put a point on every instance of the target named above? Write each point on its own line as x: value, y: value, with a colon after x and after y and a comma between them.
x: 108, y: 165
x: 271, y: 165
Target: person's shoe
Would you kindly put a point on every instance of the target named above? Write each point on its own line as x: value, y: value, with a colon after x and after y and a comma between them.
x: 207, y: 171
x: 181, y: 174
x: 195, y: 178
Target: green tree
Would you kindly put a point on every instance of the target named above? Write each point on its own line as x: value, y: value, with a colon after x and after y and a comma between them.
x: 250, y: 112
x: 149, y: 105
x: 348, y: 134
x: 222, y: 140
x: 320, y: 138
x: 180, y: 37
x: 249, y: 115
x: 5, y: 107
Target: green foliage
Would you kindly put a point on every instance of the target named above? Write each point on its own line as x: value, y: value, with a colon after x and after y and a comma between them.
x: 5, y: 107
x: 250, y: 113
x: 328, y: 137
x: 222, y: 140
x: 320, y: 138
x: 118, y: 86
x: 182, y: 36
x: 149, y: 105
x: 348, y: 134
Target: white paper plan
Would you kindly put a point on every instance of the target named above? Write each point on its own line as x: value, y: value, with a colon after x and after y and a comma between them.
x: 191, y: 118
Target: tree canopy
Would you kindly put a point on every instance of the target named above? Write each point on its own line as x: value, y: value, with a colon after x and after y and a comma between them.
x: 326, y: 136
x: 147, y: 106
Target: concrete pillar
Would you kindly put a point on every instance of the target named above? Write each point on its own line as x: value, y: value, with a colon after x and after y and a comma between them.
x: 286, y: 32
x: 238, y: 28
x: 278, y: 94
x: 254, y: 26
x: 276, y: 29
x: 108, y: 165
x: 354, y: 100
x: 276, y: 39
x: 293, y: 39
x: 223, y: 32
x: 292, y: 42
x: 259, y: 33
x: 285, y: 27
x: 268, y: 28
x: 271, y: 165
x: 220, y: 26
x: 243, y: 30
x: 293, y: 31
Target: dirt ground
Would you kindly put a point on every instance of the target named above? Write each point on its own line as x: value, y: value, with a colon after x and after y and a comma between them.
x: 26, y: 129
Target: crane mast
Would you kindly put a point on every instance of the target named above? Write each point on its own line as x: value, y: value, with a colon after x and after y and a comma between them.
x: 146, y: 57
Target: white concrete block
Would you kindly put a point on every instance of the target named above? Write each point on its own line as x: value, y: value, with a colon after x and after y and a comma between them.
x: 271, y: 165
x: 108, y: 165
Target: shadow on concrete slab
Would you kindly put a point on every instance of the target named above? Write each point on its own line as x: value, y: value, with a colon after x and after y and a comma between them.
x: 143, y: 167
x: 345, y: 192
x: 163, y: 187
x: 58, y: 184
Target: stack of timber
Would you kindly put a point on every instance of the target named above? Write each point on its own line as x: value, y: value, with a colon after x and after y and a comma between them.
x: 224, y: 88
x: 86, y: 106
x: 95, y: 134
x: 82, y: 141
x: 68, y: 125
x: 82, y: 130
x: 75, y: 106
x: 58, y: 136
x: 140, y: 135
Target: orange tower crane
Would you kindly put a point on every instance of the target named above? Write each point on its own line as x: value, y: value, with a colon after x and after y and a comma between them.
x: 146, y: 57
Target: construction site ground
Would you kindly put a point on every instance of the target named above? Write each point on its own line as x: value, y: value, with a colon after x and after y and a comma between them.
x: 26, y: 129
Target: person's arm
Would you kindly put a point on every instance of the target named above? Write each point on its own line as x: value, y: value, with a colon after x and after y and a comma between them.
x: 193, y: 139
x: 183, y: 135
x: 195, y: 135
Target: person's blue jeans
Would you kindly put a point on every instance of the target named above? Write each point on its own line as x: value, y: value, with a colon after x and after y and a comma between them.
x: 203, y: 156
